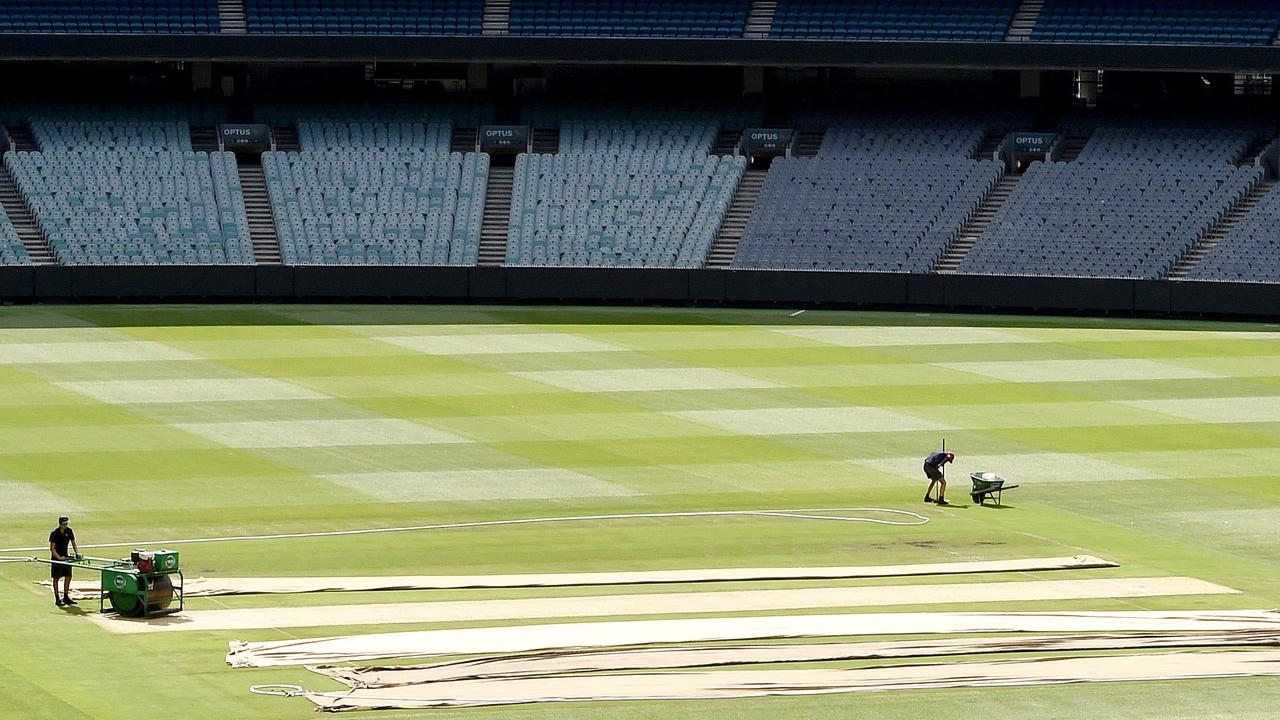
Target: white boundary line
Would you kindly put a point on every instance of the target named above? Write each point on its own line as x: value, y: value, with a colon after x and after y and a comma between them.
x: 915, y: 519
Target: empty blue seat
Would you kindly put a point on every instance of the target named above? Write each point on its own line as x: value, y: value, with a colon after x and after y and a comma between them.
x: 1159, y: 22
x: 365, y: 17
x: 630, y: 18
x: 110, y: 16
x: 915, y: 20
x: 1144, y: 190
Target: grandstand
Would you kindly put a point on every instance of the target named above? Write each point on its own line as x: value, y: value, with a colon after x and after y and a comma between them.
x: 1136, y: 199
x: 364, y: 17
x: 923, y: 20
x: 631, y: 186
x: 110, y: 16
x: 630, y: 18
x: 377, y: 193
x: 886, y: 192
x: 117, y: 186
x: 1162, y: 22
x: 912, y: 176
x: 12, y: 251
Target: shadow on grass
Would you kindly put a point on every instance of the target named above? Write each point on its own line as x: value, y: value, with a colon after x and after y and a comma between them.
x: 450, y: 313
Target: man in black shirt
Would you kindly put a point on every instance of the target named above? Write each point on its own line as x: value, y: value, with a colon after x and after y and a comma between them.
x: 59, y: 539
x: 933, y: 470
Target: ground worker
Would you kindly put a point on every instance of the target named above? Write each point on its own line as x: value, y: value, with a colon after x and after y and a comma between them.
x: 933, y: 470
x: 59, y: 540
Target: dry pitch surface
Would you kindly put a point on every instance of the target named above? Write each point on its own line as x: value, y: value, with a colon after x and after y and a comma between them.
x: 1154, y: 444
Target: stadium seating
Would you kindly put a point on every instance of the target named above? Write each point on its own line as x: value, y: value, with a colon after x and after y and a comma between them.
x: 116, y: 187
x: 630, y: 18
x: 109, y: 16
x: 365, y: 17
x: 365, y: 193
x: 1140, y: 194
x: 123, y: 207
x: 1250, y: 252
x: 632, y: 186
x: 923, y: 20
x: 887, y: 192
x: 12, y: 251
x: 647, y: 208
x: 1221, y: 22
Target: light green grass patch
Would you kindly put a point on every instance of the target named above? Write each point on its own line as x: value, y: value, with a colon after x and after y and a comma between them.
x: 319, y: 433
x: 499, y: 344
x: 1078, y: 370
x: 1216, y: 410
x: 878, y: 336
x: 802, y: 421
x: 645, y: 379
x: 18, y: 498
x: 468, y: 485
x: 123, y: 392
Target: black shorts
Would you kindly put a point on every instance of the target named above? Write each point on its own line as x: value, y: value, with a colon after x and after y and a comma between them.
x: 59, y: 571
x: 932, y: 473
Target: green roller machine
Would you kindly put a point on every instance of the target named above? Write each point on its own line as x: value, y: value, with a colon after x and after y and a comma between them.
x: 139, y: 586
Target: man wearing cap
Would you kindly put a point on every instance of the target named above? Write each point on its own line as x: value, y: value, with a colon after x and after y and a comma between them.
x: 933, y: 470
x: 62, y: 537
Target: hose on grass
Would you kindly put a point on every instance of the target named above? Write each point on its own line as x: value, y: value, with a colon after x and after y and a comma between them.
x: 912, y: 519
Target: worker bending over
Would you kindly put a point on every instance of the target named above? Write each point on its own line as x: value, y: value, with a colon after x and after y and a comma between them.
x: 933, y: 470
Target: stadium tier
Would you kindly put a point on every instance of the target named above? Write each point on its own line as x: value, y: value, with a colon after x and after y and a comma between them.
x: 1139, y: 196
x: 630, y: 18
x: 885, y: 193
x: 12, y: 251
x: 109, y: 16
x: 1136, y: 22
x: 113, y: 187
x: 963, y: 20
x: 1249, y: 252
x: 360, y: 193
x: 365, y: 17
x: 648, y: 183
x: 1162, y: 22
x: 630, y: 187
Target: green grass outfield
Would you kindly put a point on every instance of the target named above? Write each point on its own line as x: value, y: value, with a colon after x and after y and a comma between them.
x: 1154, y: 444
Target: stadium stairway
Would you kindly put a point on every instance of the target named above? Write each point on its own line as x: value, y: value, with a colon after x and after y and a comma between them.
x: 257, y: 210
x: 16, y: 208
x: 1253, y: 153
x: 726, y: 142
x: 1072, y: 146
x: 497, y: 18
x: 546, y: 141
x: 204, y: 138
x: 1196, y: 253
x: 285, y: 138
x: 808, y: 142
x: 22, y: 138
x: 977, y: 224
x: 1024, y: 21
x: 497, y: 216
x: 990, y: 144
x: 760, y: 19
x: 231, y: 17
x: 735, y: 220
x: 463, y: 140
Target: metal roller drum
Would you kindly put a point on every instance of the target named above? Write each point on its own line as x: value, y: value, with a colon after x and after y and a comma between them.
x: 159, y: 597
